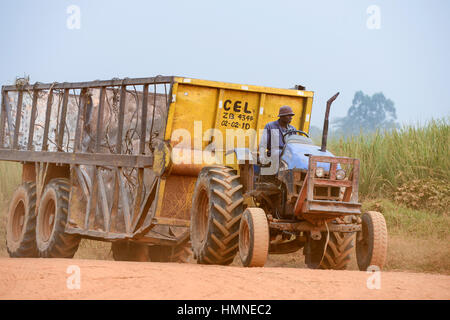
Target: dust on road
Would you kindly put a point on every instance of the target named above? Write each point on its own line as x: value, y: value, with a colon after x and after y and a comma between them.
x: 49, y: 278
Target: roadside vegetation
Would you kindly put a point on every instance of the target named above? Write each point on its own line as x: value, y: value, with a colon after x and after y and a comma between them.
x: 410, y: 164
x: 404, y: 174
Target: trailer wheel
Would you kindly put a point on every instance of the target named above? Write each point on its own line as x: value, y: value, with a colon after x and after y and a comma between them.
x: 130, y: 251
x: 21, y: 222
x: 337, y: 254
x: 254, y: 238
x: 217, y: 206
x: 51, y: 239
x: 371, y: 245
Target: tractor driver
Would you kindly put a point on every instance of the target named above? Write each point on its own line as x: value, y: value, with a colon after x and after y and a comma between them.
x: 272, y: 129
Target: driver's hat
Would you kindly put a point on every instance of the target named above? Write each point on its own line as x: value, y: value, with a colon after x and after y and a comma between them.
x: 285, y: 111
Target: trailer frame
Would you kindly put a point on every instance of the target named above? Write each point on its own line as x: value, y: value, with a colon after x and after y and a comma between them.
x: 135, y: 215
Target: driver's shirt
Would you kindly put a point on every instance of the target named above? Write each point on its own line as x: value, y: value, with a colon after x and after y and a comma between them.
x: 266, y: 136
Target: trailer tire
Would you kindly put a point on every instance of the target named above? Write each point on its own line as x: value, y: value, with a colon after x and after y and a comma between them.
x: 254, y: 238
x: 371, y: 250
x: 21, y: 223
x: 130, y: 251
x: 337, y: 254
x: 217, y: 206
x: 51, y: 239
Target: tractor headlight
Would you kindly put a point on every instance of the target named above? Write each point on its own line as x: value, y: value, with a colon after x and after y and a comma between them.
x: 320, y: 172
x: 340, y: 174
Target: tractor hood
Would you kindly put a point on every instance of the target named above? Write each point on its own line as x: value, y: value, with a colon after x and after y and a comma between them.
x: 296, y: 156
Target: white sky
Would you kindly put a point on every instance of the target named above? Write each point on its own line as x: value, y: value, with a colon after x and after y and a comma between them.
x: 324, y: 45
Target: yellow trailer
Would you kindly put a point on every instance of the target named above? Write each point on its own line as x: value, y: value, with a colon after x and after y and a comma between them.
x: 197, y: 106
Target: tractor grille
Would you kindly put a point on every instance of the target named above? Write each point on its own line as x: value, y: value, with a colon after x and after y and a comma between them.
x: 326, y: 193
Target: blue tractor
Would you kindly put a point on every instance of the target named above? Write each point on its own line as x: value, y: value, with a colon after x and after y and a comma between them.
x: 310, y: 202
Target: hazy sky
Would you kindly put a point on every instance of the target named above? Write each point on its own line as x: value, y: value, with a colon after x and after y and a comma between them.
x: 324, y: 45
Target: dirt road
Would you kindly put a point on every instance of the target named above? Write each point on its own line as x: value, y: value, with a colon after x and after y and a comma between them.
x: 50, y: 279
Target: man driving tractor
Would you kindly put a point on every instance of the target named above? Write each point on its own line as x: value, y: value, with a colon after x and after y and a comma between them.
x: 281, y: 127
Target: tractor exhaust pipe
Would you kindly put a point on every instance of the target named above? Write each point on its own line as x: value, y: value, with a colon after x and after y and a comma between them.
x: 325, y: 123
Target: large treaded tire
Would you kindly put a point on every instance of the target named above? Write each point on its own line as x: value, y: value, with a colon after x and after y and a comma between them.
x: 254, y: 238
x: 21, y: 223
x: 337, y: 255
x: 217, y: 206
x: 51, y: 239
x: 371, y: 250
x: 130, y: 251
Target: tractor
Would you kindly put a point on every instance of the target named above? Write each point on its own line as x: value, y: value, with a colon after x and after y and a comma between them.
x: 309, y: 202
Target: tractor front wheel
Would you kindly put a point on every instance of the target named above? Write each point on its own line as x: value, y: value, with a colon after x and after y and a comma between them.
x: 254, y: 238
x: 371, y: 242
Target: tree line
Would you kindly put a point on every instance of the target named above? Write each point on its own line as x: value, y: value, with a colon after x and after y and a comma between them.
x: 365, y: 115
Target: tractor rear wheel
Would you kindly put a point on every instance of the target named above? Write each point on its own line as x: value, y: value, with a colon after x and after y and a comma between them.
x: 51, y: 239
x: 254, y: 238
x: 21, y: 224
x: 337, y: 254
x: 371, y: 245
x: 217, y: 206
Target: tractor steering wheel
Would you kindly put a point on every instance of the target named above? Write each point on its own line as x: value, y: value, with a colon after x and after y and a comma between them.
x: 295, y: 131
